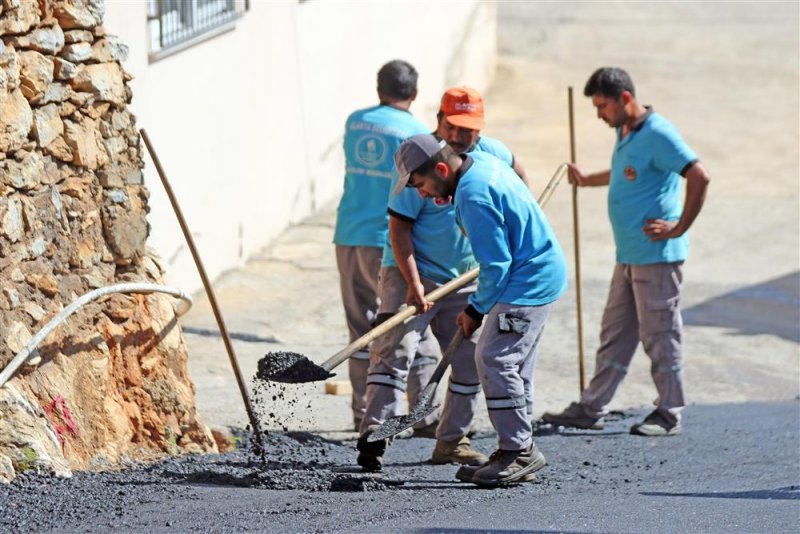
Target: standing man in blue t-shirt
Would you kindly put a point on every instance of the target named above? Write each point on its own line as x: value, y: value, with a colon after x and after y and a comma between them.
x: 522, y: 274
x: 371, y: 137
x: 649, y: 224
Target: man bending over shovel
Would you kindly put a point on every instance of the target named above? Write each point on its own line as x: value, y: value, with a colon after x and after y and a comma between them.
x: 522, y: 274
x: 428, y: 256
x: 428, y: 251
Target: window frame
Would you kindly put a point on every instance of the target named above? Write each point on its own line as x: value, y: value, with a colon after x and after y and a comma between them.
x: 175, y: 25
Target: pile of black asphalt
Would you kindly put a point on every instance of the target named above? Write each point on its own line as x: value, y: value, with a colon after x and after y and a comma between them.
x: 736, y: 468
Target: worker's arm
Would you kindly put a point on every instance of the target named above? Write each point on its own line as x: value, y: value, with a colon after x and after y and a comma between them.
x: 578, y: 177
x: 697, y: 179
x: 400, y: 236
x: 521, y: 172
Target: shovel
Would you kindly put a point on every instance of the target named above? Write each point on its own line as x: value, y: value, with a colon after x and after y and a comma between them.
x: 294, y: 368
x: 424, y: 406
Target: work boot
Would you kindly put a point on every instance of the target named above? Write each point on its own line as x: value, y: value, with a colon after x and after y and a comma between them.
x: 427, y: 431
x: 657, y: 424
x: 370, y: 454
x: 466, y: 473
x: 457, y: 452
x: 576, y: 416
x: 405, y: 434
x: 508, y: 467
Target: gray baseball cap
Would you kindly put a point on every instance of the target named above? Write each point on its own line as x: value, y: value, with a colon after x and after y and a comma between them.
x: 412, y: 154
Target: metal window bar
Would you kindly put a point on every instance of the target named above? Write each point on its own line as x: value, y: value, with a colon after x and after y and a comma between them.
x: 173, y: 22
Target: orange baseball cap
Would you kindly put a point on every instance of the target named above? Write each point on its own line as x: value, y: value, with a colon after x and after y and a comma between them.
x: 463, y: 107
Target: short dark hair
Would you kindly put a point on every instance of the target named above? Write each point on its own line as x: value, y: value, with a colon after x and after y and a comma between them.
x: 443, y: 156
x: 609, y: 82
x: 398, y: 79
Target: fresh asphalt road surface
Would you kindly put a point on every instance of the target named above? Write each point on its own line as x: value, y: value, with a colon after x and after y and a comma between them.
x: 734, y: 469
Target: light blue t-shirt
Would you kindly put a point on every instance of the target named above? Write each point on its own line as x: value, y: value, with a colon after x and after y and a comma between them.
x: 441, y: 251
x: 495, y: 147
x: 520, y: 258
x: 371, y: 137
x: 645, y: 183
x: 437, y: 263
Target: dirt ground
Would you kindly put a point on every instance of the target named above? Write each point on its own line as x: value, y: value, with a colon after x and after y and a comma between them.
x: 725, y: 73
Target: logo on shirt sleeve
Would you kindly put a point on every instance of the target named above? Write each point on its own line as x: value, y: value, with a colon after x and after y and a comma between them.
x: 629, y: 173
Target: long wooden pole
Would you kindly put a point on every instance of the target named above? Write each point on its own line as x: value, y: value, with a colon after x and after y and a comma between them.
x: 210, y: 292
x: 576, y: 241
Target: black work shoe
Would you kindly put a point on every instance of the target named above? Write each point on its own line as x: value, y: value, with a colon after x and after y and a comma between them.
x: 370, y: 454
x: 509, y: 467
x: 657, y: 424
x: 574, y: 415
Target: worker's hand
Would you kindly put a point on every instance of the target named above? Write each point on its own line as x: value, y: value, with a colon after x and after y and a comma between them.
x: 416, y: 297
x: 659, y: 229
x: 467, y: 324
x: 575, y: 175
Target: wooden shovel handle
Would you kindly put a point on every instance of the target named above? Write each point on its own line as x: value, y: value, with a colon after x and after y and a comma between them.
x: 398, y: 318
x: 433, y: 296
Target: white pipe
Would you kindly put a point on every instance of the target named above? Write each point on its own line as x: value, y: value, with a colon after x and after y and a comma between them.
x: 184, y: 306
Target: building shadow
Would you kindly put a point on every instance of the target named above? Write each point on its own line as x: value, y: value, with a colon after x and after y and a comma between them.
x: 772, y: 307
x: 789, y: 493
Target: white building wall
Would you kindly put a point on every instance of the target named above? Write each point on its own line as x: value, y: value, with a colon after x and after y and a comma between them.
x: 248, y: 125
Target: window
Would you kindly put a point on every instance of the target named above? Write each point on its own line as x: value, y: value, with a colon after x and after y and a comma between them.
x: 178, y: 24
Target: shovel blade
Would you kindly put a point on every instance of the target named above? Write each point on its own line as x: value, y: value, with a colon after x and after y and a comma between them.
x: 395, y: 425
x: 290, y: 368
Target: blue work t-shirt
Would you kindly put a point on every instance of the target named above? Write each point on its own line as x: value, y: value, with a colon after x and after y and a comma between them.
x: 645, y: 183
x: 441, y: 251
x: 371, y: 138
x: 520, y: 258
x: 495, y: 147
x: 437, y: 264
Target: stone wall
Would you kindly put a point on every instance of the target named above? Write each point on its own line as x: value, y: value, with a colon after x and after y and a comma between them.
x: 111, y: 382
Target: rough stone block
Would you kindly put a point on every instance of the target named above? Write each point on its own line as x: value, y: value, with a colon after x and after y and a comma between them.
x: 103, y: 81
x: 36, y: 73
x: 20, y: 18
x: 47, y: 124
x: 78, y: 36
x: 77, y: 52
x: 16, y: 119
x: 72, y: 14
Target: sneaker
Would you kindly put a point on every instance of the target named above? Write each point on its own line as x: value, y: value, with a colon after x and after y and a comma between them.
x: 657, y: 424
x: 370, y: 454
x: 575, y: 415
x: 507, y: 467
x: 427, y: 431
x: 457, y: 452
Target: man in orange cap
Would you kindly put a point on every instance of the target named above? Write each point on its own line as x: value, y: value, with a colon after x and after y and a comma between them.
x: 460, y: 121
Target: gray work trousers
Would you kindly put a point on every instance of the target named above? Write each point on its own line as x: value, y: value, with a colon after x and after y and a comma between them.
x: 643, y: 305
x: 358, y: 281
x: 506, y: 358
x: 392, y: 354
